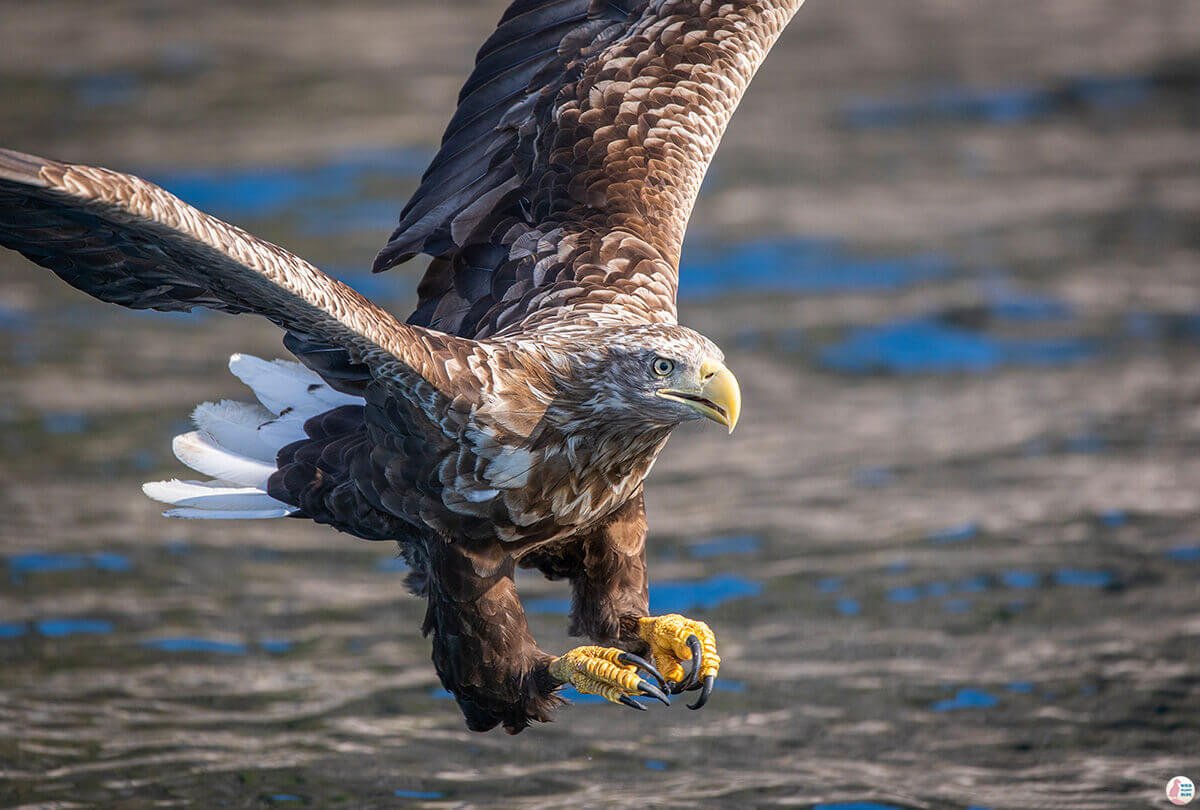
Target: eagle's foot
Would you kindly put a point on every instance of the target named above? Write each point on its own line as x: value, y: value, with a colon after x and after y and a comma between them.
x: 610, y: 673
x: 676, y: 639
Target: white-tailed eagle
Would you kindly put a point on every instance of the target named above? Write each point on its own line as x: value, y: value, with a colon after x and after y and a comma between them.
x: 513, y: 418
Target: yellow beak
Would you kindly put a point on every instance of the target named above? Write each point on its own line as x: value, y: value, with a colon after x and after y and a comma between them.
x: 718, y: 398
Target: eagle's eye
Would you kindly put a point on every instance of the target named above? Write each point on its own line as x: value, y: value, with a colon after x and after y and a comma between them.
x: 662, y: 366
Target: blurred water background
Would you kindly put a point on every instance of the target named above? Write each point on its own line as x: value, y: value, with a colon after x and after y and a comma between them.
x: 952, y: 252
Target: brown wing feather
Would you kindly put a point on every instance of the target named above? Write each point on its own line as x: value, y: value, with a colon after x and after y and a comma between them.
x: 126, y: 241
x: 566, y: 178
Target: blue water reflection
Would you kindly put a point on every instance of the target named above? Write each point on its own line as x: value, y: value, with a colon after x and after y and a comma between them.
x: 14, y: 320
x: 1021, y: 579
x: 680, y: 597
x: 392, y: 564
x: 60, y: 628
x: 848, y: 607
x: 275, y: 645
x: 967, y: 698
x: 956, y: 534
x: 925, y: 345
x: 997, y: 105
x: 1083, y: 579
x: 1184, y: 553
x: 107, y: 89
x: 58, y: 423
x: 1008, y: 303
x: 830, y: 585
x: 874, y: 477
x: 35, y: 562
x: 672, y: 597
x: 261, y: 192
x: 800, y: 265
x: 904, y: 595
x: 720, y: 546
x: 198, y: 645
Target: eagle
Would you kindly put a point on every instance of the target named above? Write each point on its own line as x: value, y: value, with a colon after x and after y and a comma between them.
x: 513, y: 418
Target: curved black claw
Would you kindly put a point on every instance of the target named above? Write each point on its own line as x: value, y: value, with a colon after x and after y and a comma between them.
x: 697, y: 662
x: 633, y: 704
x: 705, y: 692
x: 644, y: 665
x: 650, y: 690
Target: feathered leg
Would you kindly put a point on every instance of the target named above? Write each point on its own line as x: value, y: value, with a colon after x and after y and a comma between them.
x: 482, y: 647
x: 487, y: 658
x: 610, y: 586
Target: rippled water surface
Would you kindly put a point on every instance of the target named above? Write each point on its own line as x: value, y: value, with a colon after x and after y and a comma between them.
x: 951, y: 554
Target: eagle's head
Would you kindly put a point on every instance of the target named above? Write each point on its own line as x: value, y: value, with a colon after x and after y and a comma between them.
x: 651, y: 376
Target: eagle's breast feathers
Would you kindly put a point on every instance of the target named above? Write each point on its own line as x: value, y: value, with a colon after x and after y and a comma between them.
x: 527, y: 453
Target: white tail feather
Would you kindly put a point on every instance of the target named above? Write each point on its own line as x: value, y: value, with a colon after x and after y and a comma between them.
x: 234, y: 426
x: 286, y: 387
x: 201, y: 452
x: 279, y: 433
x: 237, y: 442
x: 218, y: 495
x: 189, y: 513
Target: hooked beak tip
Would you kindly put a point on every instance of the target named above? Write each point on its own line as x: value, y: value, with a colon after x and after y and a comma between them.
x: 718, y: 398
x: 722, y: 390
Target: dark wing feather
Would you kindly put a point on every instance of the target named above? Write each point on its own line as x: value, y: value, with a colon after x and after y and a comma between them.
x: 475, y: 158
x: 567, y: 175
x: 126, y: 241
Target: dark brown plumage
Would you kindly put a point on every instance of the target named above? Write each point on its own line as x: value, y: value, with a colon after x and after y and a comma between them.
x: 513, y: 419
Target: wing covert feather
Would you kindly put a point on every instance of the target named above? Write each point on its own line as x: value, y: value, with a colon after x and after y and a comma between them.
x: 126, y: 241
x: 567, y: 176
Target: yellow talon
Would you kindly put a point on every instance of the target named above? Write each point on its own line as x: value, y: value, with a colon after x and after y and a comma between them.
x: 609, y: 672
x: 676, y: 639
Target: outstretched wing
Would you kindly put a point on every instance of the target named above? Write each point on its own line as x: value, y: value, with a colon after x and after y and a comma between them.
x: 566, y: 178
x: 129, y: 242
x: 126, y: 241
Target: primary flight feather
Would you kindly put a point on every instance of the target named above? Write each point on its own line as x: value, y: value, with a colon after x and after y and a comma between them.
x: 513, y: 418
